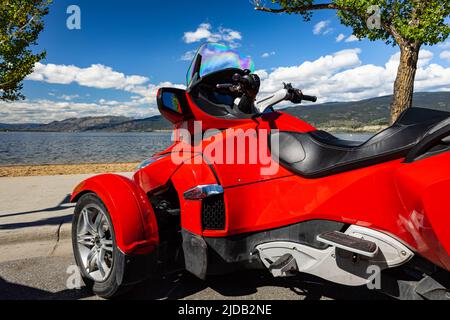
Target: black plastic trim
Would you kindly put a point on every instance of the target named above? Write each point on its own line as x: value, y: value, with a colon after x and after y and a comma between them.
x: 231, y: 253
x: 136, y: 268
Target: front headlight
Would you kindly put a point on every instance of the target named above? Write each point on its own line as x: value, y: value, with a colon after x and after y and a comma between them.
x: 150, y: 161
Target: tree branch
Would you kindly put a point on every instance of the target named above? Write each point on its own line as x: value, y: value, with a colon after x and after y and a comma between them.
x: 18, y: 31
x: 330, y: 6
x: 322, y: 6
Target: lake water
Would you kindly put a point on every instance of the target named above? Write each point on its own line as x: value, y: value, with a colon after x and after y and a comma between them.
x: 30, y: 148
x: 21, y: 148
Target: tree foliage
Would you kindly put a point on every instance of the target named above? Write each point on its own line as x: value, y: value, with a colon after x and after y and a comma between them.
x: 402, y: 21
x: 21, y: 22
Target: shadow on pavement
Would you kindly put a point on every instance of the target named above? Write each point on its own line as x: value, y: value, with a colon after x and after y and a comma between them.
x: 11, y: 291
x: 44, y: 222
x: 185, y: 286
x: 235, y: 286
x: 58, y: 207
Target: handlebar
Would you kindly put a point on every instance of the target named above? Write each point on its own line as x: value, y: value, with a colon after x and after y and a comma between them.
x: 248, y: 85
x: 309, y: 98
x: 296, y: 95
x: 224, y: 86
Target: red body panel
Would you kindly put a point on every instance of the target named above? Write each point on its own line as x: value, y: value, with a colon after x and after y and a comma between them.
x: 133, y: 218
x: 424, y: 186
x: 343, y: 198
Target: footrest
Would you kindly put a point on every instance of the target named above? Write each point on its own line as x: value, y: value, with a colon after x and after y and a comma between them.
x: 348, y: 243
x: 285, y: 266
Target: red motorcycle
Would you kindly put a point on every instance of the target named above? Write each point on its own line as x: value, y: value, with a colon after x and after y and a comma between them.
x: 246, y: 186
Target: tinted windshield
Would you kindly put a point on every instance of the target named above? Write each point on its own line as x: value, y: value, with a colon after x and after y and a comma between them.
x: 215, y: 57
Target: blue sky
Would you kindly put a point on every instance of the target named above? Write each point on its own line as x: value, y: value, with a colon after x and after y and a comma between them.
x: 125, y: 50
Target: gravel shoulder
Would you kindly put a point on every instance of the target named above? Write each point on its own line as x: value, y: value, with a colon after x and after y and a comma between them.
x: 57, y: 170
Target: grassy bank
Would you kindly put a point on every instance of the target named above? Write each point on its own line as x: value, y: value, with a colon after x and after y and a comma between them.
x: 57, y: 170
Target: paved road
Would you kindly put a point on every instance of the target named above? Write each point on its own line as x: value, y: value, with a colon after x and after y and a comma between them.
x: 45, y: 278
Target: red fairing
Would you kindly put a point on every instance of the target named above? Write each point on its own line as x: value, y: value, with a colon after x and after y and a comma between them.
x: 424, y: 187
x: 156, y: 174
x: 133, y: 218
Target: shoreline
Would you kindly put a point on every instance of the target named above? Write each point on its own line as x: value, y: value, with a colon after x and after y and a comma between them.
x: 363, y: 130
x: 64, y: 169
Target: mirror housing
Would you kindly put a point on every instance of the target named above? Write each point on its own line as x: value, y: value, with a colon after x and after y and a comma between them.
x: 173, y: 105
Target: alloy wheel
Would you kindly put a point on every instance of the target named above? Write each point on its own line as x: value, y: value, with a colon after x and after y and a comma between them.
x: 95, y: 242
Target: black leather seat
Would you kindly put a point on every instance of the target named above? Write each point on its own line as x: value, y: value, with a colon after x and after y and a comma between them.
x: 319, y: 154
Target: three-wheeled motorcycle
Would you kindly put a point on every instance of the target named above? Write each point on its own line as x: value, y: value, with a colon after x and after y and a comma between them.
x: 245, y: 186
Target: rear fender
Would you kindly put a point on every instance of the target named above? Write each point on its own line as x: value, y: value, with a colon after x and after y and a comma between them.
x: 131, y: 213
x: 423, y: 186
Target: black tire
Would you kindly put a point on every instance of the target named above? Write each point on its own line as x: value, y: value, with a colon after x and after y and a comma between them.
x: 110, y: 287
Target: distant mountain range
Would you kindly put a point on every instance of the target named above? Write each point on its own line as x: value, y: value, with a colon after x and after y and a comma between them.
x: 366, y: 115
x: 92, y: 124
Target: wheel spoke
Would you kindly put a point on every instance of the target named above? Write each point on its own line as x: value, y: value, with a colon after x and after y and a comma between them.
x: 107, y: 245
x: 98, y: 223
x: 86, y: 240
x: 92, y: 260
x: 102, y: 267
x: 87, y: 222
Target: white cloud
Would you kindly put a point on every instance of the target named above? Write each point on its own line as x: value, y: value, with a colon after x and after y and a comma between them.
x: 230, y: 35
x: 69, y: 97
x: 268, y: 54
x: 188, y: 56
x: 45, y: 111
x: 95, y: 76
x: 444, y: 45
x: 263, y: 74
x: 340, y: 37
x: 445, y: 55
x: 311, y: 72
x: 205, y: 32
x: 352, y: 38
x: 342, y: 77
x: 98, y: 76
x: 323, y: 27
x: 142, y: 103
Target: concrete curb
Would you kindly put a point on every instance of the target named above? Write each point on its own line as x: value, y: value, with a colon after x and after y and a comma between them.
x: 35, y: 234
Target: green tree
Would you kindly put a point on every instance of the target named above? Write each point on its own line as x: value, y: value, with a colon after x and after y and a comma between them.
x: 409, y: 24
x: 20, y: 25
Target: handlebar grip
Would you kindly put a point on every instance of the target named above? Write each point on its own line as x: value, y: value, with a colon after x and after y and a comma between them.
x: 309, y: 98
x: 224, y: 86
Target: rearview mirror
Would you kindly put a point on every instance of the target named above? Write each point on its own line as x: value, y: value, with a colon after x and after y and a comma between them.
x: 173, y: 105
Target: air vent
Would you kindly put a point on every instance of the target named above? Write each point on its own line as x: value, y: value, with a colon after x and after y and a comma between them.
x: 213, y: 213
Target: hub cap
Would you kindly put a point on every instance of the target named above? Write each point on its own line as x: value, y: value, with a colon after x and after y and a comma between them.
x: 95, y: 243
